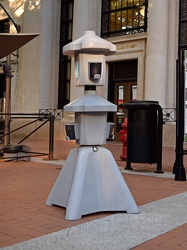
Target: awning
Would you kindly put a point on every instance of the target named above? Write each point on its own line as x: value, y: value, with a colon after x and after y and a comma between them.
x: 11, y: 42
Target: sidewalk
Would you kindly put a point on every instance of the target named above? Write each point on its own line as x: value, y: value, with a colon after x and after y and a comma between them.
x: 25, y: 219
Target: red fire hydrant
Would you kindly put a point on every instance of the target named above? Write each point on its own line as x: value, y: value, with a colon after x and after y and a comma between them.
x: 123, y: 139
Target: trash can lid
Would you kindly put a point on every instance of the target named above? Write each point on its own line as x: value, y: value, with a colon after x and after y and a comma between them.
x: 140, y: 104
x: 143, y: 101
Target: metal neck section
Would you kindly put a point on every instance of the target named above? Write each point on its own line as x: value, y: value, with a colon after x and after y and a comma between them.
x: 90, y: 89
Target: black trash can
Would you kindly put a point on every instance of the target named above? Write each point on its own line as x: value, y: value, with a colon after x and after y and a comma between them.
x: 144, y: 133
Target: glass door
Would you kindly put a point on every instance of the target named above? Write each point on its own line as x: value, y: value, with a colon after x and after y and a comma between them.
x: 123, y: 93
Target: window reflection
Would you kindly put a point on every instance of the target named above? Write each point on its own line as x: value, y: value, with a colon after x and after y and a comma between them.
x: 127, y: 16
x: 120, y: 95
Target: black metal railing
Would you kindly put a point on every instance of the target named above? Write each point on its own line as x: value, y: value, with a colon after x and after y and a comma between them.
x: 43, y: 118
x: 169, y: 115
x: 58, y: 113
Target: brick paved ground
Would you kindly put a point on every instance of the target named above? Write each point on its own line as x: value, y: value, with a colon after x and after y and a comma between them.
x: 25, y: 186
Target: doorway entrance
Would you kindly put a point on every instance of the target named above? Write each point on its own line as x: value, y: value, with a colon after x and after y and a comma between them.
x: 122, y: 89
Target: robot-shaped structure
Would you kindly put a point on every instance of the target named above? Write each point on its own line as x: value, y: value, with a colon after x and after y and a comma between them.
x: 90, y: 180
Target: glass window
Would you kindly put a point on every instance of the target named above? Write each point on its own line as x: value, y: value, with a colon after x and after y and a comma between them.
x: 123, y: 17
x: 64, y: 64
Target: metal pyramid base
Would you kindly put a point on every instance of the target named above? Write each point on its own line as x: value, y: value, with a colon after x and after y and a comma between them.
x: 90, y: 182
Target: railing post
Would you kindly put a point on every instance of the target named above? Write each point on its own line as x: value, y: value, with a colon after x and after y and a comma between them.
x: 51, y: 136
x: 7, y: 106
x: 159, y: 140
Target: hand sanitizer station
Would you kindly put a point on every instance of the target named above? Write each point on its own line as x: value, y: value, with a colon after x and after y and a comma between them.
x: 90, y: 180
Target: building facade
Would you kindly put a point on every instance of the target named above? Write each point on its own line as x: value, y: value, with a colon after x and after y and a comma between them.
x: 146, y: 37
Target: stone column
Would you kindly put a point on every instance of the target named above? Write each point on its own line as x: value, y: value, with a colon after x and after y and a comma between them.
x: 172, y: 52
x: 156, y: 58
x: 39, y: 63
x: 87, y: 16
x: 81, y: 18
x: 81, y: 22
